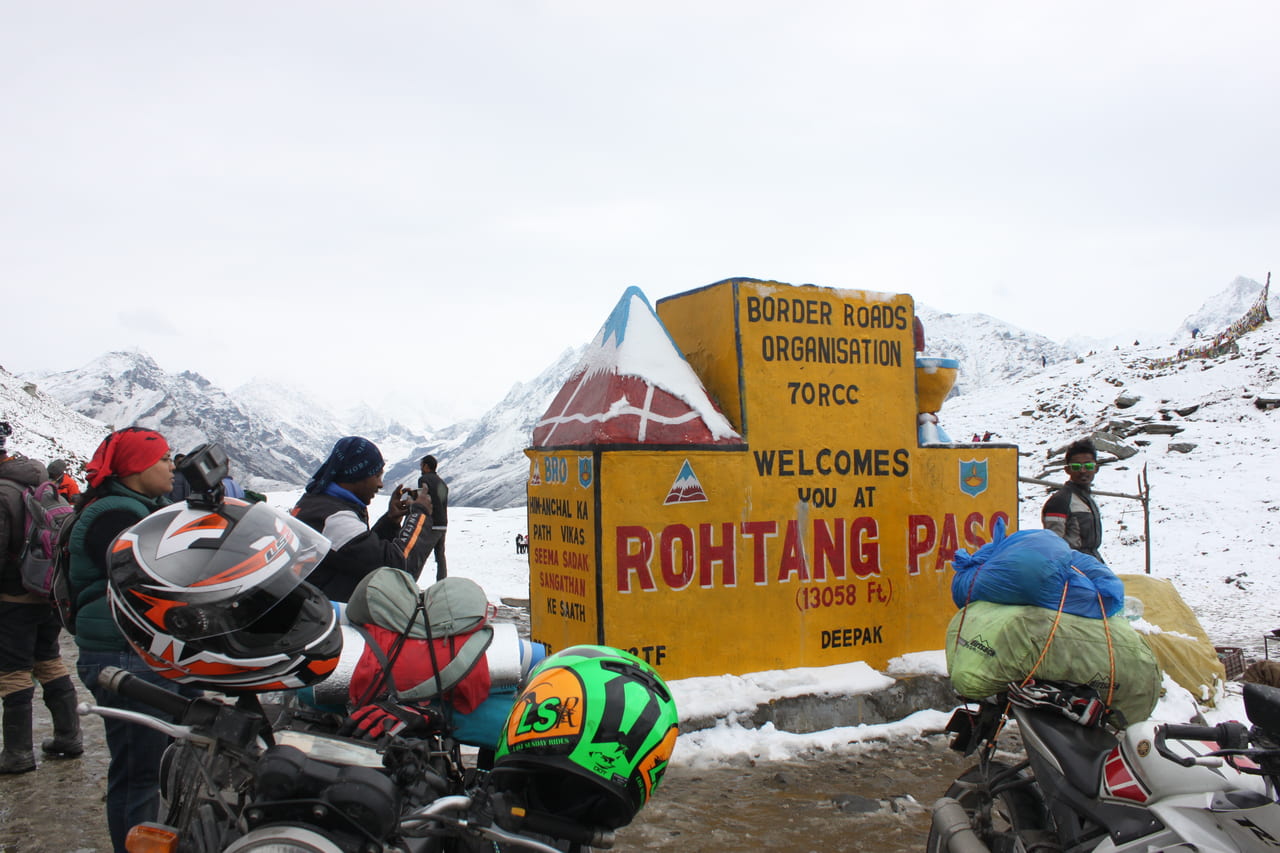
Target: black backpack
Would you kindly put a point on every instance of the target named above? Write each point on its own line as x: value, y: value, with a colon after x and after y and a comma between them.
x: 47, y: 513
x: 60, y: 594
x: 45, y: 560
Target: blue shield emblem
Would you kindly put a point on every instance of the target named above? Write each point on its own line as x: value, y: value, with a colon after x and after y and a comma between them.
x: 586, y: 471
x: 973, y: 477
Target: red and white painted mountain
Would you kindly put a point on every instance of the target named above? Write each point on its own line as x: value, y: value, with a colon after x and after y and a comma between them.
x: 633, y: 386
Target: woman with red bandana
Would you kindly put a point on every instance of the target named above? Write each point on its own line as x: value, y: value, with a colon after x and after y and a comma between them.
x: 129, y: 477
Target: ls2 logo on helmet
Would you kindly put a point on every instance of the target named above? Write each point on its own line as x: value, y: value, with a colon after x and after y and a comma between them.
x: 549, y: 711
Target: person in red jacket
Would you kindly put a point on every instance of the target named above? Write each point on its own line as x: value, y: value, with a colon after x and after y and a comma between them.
x: 67, y: 485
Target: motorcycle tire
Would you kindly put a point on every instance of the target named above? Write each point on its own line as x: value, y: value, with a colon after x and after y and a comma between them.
x: 1011, y: 819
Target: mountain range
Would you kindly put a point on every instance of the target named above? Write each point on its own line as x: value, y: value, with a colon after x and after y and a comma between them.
x: 276, y: 437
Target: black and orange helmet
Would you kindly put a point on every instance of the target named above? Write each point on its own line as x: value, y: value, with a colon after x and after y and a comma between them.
x: 216, y: 597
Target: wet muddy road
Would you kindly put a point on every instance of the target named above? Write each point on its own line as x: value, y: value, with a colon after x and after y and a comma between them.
x: 800, y: 806
x: 874, y: 800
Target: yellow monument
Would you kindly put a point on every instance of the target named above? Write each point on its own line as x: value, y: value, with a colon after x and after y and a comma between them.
x: 741, y: 481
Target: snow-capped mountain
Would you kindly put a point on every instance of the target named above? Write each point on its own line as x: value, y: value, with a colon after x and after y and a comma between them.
x: 273, y: 435
x: 485, y: 464
x: 44, y: 428
x: 1225, y: 308
x: 990, y: 351
x: 129, y: 388
x: 279, y: 436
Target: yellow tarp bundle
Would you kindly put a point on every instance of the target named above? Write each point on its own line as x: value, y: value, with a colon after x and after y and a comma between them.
x: 1181, y: 647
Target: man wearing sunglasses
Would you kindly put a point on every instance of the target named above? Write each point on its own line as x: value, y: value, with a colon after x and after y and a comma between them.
x: 1071, y: 511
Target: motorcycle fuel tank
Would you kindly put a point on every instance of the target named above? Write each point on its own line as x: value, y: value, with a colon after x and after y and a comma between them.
x: 1135, y: 772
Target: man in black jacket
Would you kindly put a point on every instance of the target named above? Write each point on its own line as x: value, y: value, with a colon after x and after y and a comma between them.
x: 336, y: 503
x: 439, y: 491
x: 1071, y: 511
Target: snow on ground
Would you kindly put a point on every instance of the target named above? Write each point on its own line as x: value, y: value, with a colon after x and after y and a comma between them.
x: 1215, y: 511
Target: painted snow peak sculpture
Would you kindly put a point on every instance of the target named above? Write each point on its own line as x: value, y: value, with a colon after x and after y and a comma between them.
x: 633, y: 386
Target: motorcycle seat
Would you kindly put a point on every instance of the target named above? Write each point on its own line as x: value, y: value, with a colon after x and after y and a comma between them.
x: 1079, y: 750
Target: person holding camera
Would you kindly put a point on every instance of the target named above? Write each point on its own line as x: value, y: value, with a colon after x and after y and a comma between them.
x: 336, y: 503
x: 129, y: 476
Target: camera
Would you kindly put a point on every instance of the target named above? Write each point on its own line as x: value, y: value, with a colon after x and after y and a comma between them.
x: 204, y: 469
x: 411, y: 494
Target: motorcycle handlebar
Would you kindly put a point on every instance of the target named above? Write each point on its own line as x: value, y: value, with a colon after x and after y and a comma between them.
x: 516, y: 817
x: 132, y: 687
x: 1179, y: 731
x: 454, y: 810
x: 1229, y: 735
x: 545, y: 824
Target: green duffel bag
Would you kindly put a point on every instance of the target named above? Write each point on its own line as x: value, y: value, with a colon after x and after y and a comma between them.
x: 991, y: 645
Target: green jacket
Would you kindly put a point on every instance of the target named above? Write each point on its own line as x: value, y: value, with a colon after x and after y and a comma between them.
x: 99, y: 524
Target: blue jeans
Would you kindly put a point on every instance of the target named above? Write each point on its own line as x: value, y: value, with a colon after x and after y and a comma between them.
x: 133, y: 776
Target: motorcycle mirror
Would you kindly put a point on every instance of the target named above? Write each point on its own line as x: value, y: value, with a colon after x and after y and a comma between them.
x: 1262, y: 707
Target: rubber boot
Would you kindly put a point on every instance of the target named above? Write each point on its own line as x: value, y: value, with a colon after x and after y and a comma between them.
x: 60, y: 699
x: 17, y: 756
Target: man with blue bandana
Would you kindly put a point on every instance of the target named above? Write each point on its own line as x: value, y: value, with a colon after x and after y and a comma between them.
x: 336, y: 503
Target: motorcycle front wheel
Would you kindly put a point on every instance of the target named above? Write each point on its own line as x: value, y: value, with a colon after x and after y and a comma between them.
x: 1005, y: 810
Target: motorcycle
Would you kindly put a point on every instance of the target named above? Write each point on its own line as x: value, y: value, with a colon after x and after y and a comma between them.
x: 211, y: 593
x: 242, y: 777
x: 1085, y: 785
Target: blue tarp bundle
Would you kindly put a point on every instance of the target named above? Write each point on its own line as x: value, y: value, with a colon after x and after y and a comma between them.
x: 1031, y: 567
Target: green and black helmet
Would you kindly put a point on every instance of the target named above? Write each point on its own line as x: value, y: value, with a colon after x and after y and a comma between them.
x: 589, y: 737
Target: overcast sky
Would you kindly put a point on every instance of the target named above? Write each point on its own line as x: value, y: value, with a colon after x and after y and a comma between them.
x: 440, y: 198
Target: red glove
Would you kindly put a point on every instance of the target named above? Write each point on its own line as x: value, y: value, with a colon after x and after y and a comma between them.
x: 382, y: 719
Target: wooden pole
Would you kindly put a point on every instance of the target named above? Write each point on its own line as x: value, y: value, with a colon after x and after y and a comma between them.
x: 1053, y: 485
x: 1144, y: 496
x: 1144, y: 488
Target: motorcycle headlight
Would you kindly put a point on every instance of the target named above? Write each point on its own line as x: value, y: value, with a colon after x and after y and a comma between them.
x: 283, y: 839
